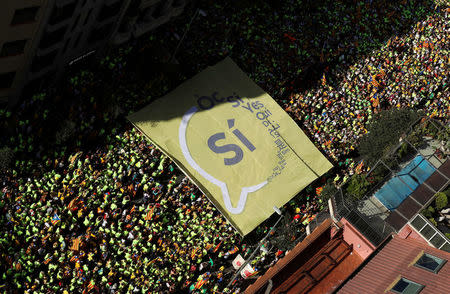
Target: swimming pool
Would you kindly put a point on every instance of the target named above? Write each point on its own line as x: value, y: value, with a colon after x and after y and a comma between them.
x: 392, y: 194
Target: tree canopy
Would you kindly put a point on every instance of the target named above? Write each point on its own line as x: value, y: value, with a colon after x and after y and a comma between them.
x: 384, y: 132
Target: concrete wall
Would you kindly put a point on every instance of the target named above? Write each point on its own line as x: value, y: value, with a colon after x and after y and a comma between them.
x: 352, y: 236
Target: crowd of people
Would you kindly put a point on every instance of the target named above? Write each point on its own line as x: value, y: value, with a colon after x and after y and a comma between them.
x: 409, y: 71
x: 119, y: 217
x: 333, y: 64
x: 102, y: 218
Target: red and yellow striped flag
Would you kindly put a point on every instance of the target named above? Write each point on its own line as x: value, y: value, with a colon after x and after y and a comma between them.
x: 76, y: 244
x: 358, y: 168
x: 324, y: 80
x: 199, y: 284
x: 217, y: 247
x: 319, y: 191
x: 375, y: 102
x: 234, y: 250
x: 91, y: 285
x: 72, y: 204
x: 47, y: 260
x: 149, y: 214
x: 194, y: 252
x: 374, y: 82
x: 252, y: 274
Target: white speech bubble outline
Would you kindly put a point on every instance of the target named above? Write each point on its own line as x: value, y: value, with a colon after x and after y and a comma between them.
x: 222, y: 185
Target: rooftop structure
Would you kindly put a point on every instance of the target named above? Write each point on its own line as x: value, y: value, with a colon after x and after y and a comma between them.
x: 402, y: 266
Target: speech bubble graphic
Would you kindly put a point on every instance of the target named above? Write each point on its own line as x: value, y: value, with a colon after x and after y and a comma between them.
x: 222, y: 185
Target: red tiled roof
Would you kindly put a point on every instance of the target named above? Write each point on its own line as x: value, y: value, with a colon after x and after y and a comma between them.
x: 344, y: 269
x: 282, y: 264
x: 317, y: 265
x: 397, y: 259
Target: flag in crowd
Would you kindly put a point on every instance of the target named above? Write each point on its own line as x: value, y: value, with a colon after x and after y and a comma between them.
x: 55, y: 219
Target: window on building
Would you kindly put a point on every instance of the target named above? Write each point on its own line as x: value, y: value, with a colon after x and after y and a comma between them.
x: 13, y: 48
x: 7, y: 79
x: 109, y: 11
x: 51, y: 38
x: 44, y: 61
x: 24, y: 15
x: 430, y: 262
x: 428, y: 232
x: 404, y: 286
x: 60, y: 14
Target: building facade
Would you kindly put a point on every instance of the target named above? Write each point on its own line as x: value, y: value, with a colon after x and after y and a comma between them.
x: 40, y: 38
x: 19, y: 28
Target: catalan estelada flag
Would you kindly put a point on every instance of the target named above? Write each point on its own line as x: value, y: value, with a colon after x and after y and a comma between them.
x: 55, y: 219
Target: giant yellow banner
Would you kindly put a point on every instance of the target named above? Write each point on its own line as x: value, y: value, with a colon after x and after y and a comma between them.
x: 234, y: 141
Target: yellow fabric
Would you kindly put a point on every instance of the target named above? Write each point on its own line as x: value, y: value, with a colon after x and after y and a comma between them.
x: 223, y: 106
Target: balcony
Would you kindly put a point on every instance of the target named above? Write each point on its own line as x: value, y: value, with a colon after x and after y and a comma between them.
x: 13, y: 48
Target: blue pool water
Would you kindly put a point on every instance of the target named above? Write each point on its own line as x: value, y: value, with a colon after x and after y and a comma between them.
x: 395, y: 190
